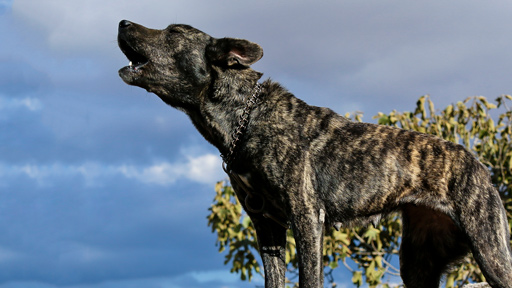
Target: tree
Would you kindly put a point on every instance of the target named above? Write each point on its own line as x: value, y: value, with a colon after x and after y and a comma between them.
x: 482, y: 127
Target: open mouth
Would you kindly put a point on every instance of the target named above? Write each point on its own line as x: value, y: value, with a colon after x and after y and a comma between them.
x: 137, y: 60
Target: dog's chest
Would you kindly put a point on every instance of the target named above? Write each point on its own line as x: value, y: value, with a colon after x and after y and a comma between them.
x: 257, y: 198
x: 252, y: 186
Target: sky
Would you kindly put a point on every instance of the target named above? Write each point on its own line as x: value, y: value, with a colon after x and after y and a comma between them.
x: 104, y: 186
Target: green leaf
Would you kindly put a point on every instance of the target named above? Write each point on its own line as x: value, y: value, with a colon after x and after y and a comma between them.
x: 372, y: 234
x: 246, y: 222
x: 333, y: 265
x: 357, y: 278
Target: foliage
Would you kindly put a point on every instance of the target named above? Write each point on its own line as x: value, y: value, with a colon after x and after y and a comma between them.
x: 367, y: 251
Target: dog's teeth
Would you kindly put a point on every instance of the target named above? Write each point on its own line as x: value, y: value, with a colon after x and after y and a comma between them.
x: 131, y: 63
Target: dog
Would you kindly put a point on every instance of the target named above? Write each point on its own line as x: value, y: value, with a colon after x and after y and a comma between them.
x: 306, y: 167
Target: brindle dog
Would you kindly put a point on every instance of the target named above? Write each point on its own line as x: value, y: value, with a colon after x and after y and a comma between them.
x: 306, y: 166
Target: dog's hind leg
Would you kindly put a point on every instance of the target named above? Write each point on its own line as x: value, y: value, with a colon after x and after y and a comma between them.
x: 485, y: 222
x: 272, y: 245
x: 430, y: 241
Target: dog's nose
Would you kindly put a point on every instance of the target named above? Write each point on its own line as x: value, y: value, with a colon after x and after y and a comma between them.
x: 124, y: 24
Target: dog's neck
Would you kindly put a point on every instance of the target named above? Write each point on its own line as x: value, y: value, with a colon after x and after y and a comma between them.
x: 222, y: 105
x: 239, y: 133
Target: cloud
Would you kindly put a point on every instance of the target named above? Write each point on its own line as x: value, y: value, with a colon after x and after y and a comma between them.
x: 29, y: 103
x: 218, y: 276
x: 194, y: 279
x: 81, y: 254
x: 337, y: 58
x: 83, y: 27
x: 162, y: 173
x: 204, y: 169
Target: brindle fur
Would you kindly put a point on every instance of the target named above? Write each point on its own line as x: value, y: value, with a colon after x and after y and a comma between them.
x: 314, y: 167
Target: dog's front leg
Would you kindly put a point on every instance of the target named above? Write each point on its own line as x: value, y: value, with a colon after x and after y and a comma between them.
x: 308, y: 230
x: 272, y: 244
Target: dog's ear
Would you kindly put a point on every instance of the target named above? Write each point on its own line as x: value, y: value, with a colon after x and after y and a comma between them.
x: 234, y: 52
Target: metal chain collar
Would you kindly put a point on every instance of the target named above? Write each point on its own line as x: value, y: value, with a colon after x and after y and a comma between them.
x: 236, y: 137
x: 240, y: 129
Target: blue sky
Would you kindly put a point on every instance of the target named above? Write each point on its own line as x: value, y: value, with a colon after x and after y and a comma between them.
x: 103, y: 186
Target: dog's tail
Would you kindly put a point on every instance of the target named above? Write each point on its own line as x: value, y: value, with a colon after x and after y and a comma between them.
x: 484, y: 219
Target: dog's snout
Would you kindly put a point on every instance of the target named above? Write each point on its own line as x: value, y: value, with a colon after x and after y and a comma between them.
x: 124, y: 24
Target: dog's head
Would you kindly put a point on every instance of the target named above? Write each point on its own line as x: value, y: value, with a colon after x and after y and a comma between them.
x: 176, y: 63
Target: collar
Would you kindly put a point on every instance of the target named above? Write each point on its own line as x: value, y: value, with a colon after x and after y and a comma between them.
x: 236, y: 137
